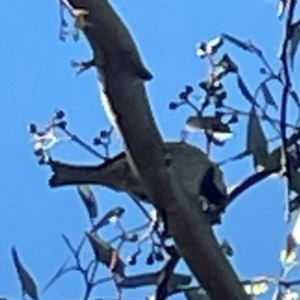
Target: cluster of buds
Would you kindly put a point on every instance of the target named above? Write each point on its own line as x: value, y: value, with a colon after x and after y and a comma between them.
x: 45, y: 139
x: 183, y: 98
x: 104, y: 137
x: 214, y: 128
x: 213, y: 87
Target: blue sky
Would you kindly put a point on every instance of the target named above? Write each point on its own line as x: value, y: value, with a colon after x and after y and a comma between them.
x: 38, y: 78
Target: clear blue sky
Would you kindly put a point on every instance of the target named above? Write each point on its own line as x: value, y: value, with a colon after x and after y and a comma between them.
x: 37, y: 79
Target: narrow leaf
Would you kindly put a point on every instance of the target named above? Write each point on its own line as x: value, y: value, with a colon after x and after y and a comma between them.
x: 212, y: 123
x: 57, y: 275
x: 294, y: 204
x: 214, y: 45
x: 115, y: 213
x: 177, y: 280
x: 106, y: 254
x: 195, y: 293
x: 68, y: 243
x: 236, y: 42
x: 268, y: 96
x: 273, y: 161
x: 88, y: 199
x: 256, y: 288
x: 28, y: 285
x: 257, y: 143
x: 294, y: 95
x: 294, y: 42
x: 235, y: 157
x: 201, y: 122
x: 281, y: 8
x: 245, y: 91
x: 294, y: 183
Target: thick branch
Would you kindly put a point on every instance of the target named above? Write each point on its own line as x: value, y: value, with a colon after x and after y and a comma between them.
x: 123, y: 75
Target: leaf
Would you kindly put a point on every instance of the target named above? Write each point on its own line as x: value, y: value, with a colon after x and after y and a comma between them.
x: 281, y: 8
x: 294, y: 95
x: 115, y: 213
x: 195, y: 293
x: 214, y: 45
x: 245, y: 91
x: 291, y: 244
x: 57, y: 274
x: 216, y: 131
x: 209, y: 48
x: 106, y: 254
x: 257, y: 143
x: 68, y: 243
x: 207, y: 123
x: 177, y: 280
x: 88, y: 199
x: 273, y: 161
x: 294, y: 42
x: 227, y: 248
x: 176, y: 283
x: 268, y: 96
x: 237, y: 42
x: 27, y: 283
x: 294, y: 204
x: 210, y: 189
x: 256, y: 288
x: 288, y: 258
x: 228, y: 64
x: 235, y: 157
x: 294, y: 183
x: 294, y: 238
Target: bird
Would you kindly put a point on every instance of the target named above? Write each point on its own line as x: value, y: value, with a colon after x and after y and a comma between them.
x: 200, y: 176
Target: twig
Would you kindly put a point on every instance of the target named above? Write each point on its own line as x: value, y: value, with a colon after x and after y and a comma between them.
x: 77, y: 140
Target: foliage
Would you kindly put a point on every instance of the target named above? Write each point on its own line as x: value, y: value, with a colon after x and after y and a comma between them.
x: 213, y: 117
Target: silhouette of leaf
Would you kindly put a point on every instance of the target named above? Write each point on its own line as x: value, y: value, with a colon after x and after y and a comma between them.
x: 207, y: 123
x: 236, y: 42
x: 292, y: 241
x: 201, y: 122
x: 106, y: 254
x: 294, y: 42
x: 177, y: 280
x: 294, y: 95
x: 256, y: 288
x: 215, y: 129
x: 27, y: 283
x: 175, y: 284
x: 245, y: 91
x: 88, y: 199
x: 227, y: 248
x: 195, y: 293
x: 57, y: 274
x: 295, y: 182
x: 281, y: 8
x: 268, y: 96
x: 257, y: 143
x: 235, y: 157
x: 115, y: 213
x: 210, y: 47
x: 294, y: 204
x: 214, y: 45
x: 274, y: 160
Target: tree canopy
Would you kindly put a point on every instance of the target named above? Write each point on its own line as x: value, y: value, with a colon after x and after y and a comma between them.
x: 178, y: 186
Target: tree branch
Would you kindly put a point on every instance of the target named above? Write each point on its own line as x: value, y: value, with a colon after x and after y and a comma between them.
x: 122, y: 74
x: 287, y: 85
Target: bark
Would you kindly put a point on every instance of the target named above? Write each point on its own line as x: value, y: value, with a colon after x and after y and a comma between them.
x: 123, y: 75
